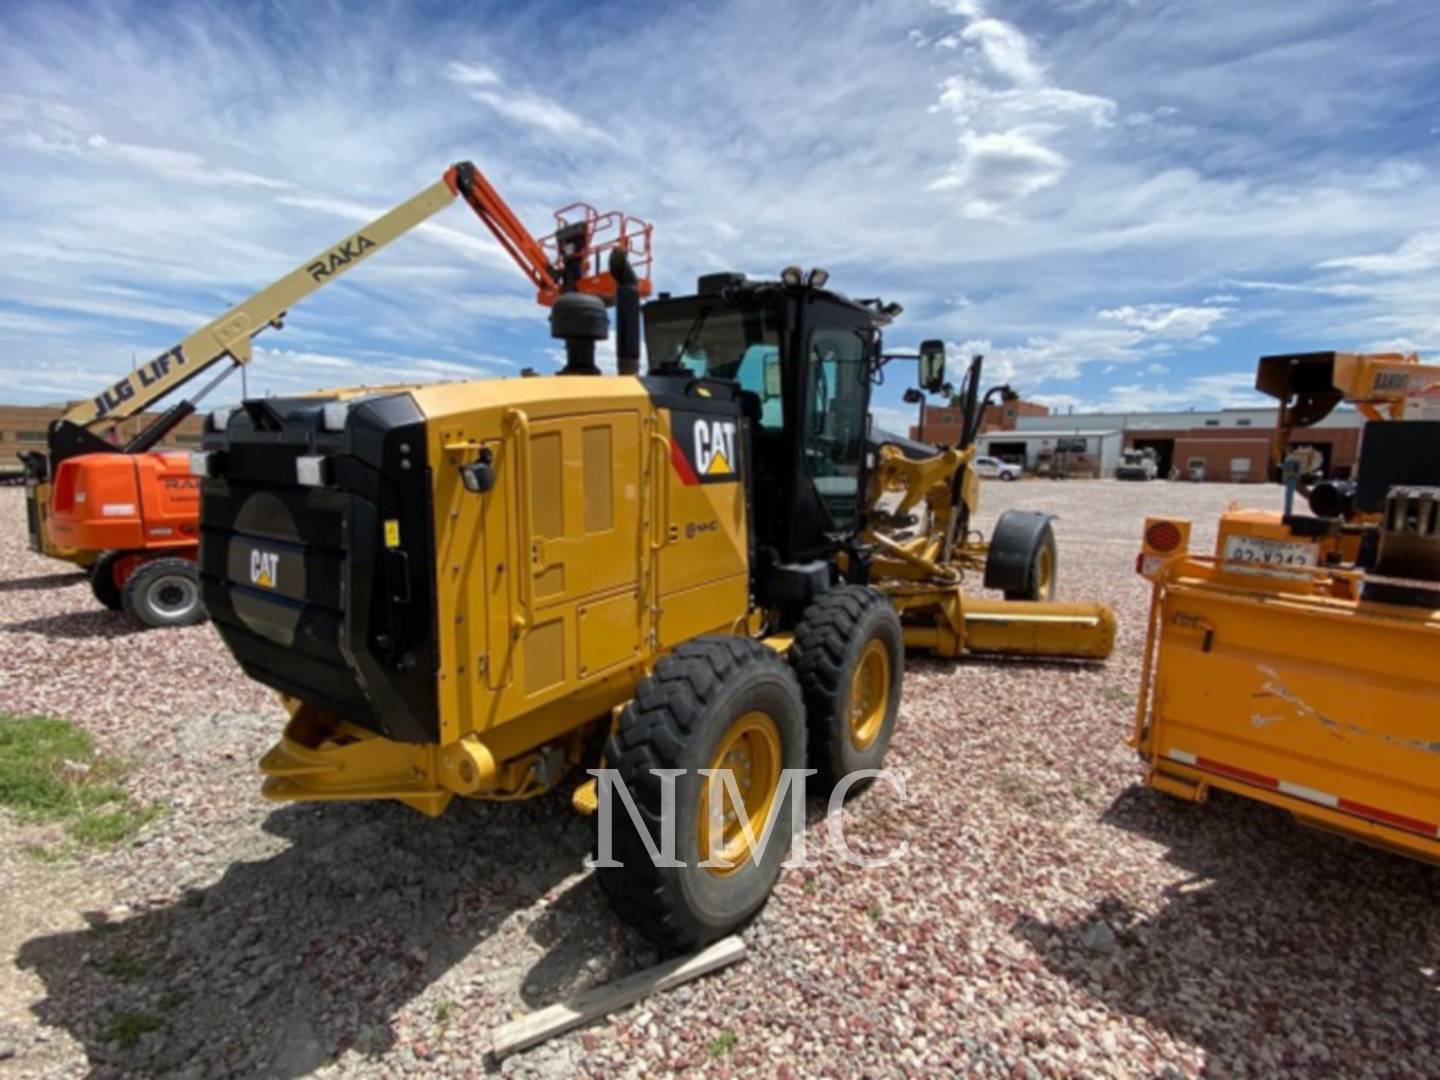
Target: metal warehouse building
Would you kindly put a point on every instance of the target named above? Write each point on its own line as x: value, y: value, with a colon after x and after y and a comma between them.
x: 1083, y: 452
x: 1230, y: 444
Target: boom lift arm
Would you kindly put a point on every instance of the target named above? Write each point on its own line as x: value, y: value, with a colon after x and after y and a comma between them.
x: 554, y: 264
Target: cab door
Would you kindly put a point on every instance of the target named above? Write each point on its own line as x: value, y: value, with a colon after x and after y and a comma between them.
x: 837, y: 388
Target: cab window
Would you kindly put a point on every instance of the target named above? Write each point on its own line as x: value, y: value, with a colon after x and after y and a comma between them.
x: 724, y: 343
x: 835, y: 420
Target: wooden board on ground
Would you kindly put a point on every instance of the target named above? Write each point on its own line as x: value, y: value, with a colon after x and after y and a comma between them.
x: 598, y: 1001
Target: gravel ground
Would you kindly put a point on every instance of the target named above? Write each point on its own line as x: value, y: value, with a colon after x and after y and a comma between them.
x: 1051, y: 917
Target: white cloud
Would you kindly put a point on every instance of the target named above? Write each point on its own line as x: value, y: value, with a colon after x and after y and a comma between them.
x: 297, y: 359
x: 895, y: 421
x: 19, y: 322
x: 1170, y: 321
x: 1419, y: 252
x: 179, y: 164
x: 1007, y: 128
x: 1061, y: 356
x: 966, y: 9
x: 1005, y: 49
x: 1225, y: 390
x: 535, y: 110
x: 523, y: 106
x: 997, y: 169
x: 471, y: 74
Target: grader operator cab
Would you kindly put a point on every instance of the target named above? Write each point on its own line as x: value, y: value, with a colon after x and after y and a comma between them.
x: 1295, y: 663
x: 479, y: 588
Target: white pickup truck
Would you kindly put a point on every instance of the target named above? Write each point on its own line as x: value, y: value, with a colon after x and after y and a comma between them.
x: 991, y: 468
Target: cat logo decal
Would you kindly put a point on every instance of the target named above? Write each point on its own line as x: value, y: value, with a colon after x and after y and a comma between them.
x: 264, y: 568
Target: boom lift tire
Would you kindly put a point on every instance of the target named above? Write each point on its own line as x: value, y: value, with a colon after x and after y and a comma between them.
x: 849, y: 654
x: 102, y: 580
x: 1022, y: 560
x: 164, y: 592
x: 713, y: 703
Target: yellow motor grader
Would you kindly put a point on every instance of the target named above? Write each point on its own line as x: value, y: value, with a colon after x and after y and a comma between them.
x: 481, y: 588
x: 1295, y: 663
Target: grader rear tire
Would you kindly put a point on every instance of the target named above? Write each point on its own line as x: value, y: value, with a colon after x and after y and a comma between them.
x: 716, y: 703
x: 849, y: 654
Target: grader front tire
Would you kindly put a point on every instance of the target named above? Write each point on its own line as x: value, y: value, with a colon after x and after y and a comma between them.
x: 714, y: 703
x: 849, y: 654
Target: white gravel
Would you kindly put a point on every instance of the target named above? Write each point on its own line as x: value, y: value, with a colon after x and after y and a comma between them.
x: 1051, y: 917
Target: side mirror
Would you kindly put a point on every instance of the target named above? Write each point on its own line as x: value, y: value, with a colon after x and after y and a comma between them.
x: 932, y: 366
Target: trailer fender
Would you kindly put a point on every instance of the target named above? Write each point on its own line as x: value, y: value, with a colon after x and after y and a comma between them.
x: 1018, y: 538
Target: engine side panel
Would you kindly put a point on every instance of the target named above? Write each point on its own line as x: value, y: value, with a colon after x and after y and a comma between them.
x: 595, y: 547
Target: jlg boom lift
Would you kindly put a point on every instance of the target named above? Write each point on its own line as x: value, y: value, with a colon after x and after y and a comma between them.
x: 1295, y: 663
x: 130, y: 513
x: 480, y: 588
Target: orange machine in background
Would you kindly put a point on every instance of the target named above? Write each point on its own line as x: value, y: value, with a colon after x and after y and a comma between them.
x: 142, y: 513
x: 1295, y: 663
x: 130, y: 513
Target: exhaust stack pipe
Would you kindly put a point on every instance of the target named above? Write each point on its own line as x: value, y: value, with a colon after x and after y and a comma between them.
x: 627, y: 313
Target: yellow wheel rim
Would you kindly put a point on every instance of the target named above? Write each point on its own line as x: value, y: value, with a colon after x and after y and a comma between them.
x: 869, y: 694
x: 1044, y: 573
x: 750, y: 752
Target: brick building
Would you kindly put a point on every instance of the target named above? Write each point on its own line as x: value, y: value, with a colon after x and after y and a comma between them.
x: 25, y: 427
x: 943, y: 422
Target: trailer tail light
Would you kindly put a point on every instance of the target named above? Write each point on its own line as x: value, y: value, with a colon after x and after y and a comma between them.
x: 1164, y: 538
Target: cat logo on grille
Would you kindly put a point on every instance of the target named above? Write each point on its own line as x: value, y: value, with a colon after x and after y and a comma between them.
x: 264, y: 568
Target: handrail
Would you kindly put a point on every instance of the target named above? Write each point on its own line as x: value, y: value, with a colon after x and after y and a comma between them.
x: 662, y: 492
x: 517, y: 420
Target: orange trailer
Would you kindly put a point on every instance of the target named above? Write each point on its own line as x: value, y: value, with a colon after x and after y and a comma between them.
x: 1294, y: 663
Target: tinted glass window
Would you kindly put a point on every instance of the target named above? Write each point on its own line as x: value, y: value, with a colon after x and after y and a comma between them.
x: 723, y: 343
x: 835, y: 420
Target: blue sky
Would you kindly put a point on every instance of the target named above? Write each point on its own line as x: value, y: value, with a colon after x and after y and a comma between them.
x: 1121, y: 202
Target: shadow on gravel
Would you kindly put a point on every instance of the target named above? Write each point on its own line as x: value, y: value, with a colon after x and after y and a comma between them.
x: 43, y: 581
x: 96, y: 623
x: 290, y: 960
x: 1286, y: 948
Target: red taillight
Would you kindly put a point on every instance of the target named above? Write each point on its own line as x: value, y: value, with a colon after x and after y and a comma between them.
x: 1162, y: 536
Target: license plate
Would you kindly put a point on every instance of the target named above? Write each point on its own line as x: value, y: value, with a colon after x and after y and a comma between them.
x: 1261, y: 555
